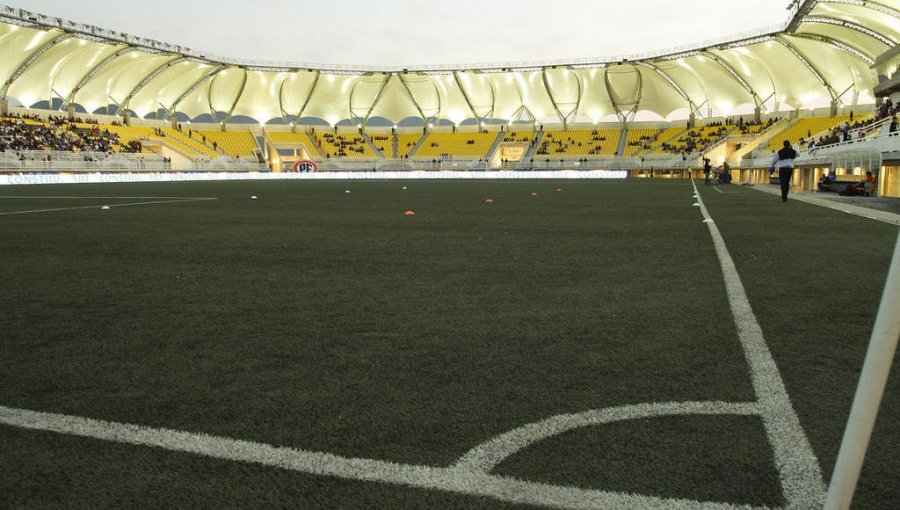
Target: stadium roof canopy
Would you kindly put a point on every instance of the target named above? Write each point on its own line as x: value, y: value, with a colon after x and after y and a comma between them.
x: 820, y: 55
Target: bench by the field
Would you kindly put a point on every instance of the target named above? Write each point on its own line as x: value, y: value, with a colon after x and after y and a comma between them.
x: 846, y: 185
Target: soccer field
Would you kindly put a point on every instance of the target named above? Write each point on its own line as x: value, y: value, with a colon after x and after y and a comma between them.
x: 569, y: 344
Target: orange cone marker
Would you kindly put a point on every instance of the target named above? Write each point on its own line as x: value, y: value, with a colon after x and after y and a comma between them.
x: 409, y: 213
x: 490, y: 201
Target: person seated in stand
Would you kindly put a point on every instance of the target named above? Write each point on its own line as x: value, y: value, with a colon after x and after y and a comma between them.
x: 826, y: 181
x: 868, y: 184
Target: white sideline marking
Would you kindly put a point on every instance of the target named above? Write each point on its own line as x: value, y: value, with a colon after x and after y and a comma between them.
x: 110, y: 205
x: 33, y: 197
x: 801, y: 476
x: 487, y: 456
x: 450, y: 479
x: 717, y: 189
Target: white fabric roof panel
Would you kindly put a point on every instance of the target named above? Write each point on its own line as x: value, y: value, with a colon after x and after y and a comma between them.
x: 48, y: 58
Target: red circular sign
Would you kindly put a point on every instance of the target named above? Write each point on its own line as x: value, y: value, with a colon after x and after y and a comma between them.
x: 305, y: 165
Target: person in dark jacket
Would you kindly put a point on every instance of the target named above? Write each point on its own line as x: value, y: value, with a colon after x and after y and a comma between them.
x: 783, y: 161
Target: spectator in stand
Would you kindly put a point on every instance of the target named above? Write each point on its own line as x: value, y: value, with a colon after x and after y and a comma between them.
x: 868, y: 184
x: 826, y: 181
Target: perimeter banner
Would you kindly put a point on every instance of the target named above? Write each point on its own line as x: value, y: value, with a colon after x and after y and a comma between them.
x: 88, y: 178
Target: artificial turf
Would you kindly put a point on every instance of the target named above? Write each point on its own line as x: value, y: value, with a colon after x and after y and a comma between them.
x: 330, y: 321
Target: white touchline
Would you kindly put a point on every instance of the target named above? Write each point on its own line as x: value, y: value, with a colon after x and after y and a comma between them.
x: 801, y: 476
x: 30, y: 211
x: 450, y: 479
x: 39, y: 197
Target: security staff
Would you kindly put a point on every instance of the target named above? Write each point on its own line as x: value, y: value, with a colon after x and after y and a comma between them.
x: 783, y: 160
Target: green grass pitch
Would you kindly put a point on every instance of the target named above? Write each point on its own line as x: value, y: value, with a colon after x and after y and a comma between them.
x: 329, y: 321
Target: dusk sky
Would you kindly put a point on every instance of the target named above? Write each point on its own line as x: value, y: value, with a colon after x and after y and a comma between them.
x: 408, y: 32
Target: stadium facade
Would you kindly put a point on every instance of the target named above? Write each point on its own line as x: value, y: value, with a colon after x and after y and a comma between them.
x: 824, y: 55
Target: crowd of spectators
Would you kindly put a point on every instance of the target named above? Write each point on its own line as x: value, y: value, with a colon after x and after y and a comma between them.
x: 845, y: 132
x: 752, y: 127
x: 343, y: 145
x: 31, y: 133
x: 696, y: 139
x: 560, y: 146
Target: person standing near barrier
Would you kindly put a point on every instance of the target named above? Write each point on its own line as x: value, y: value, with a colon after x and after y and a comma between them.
x: 707, y: 169
x: 783, y: 160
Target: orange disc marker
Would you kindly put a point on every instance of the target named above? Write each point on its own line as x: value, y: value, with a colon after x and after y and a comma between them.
x: 409, y: 213
x: 490, y: 201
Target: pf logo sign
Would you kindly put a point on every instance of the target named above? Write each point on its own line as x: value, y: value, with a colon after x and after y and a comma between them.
x: 305, y: 165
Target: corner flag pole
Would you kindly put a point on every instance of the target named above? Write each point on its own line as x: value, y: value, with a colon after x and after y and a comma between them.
x: 872, y: 381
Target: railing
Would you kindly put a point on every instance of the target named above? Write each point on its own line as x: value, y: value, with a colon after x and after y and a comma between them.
x: 31, y: 160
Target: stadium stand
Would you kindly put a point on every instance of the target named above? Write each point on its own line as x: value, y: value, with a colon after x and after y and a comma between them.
x: 597, y: 142
x: 457, y: 144
x: 806, y: 128
x: 519, y: 136
x: 30, y: 132
x: 405, y: 143
x: 343, y: 145
x: 193, y: 140
x: 233, y: 143
x: 288, y: 138
x: 696, y: 139
x: 384, y: 145
x: 656, y: 142
x: 639, y: 139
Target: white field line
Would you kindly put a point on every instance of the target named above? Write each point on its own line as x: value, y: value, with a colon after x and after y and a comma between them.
x: 717, y: 189
x: 30, y: 211
x: 801, y: 476
x: 487, y: 456
x: 38, y: 197
x: 450, y: 479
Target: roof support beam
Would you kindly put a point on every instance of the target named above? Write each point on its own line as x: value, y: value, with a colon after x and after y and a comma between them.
x: 237, y: 98
x: 465, y: 94
x: 883, y: 9
x: 737, y: 77
x: 32, y: 58
x: 563, y: 117
x: 809, y: 65
x: 834, y: 43
x: 624, y: 116
x: 309, y: 95
x: 827, y: 20
x: 378, y: 96
x: 194, y: 86
x: 671, y: 83
x: 416, y: 103
x: 153, y: 74
x: 93, y: 71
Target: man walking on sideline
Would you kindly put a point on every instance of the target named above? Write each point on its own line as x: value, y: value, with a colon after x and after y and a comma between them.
x: 783, y: 160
